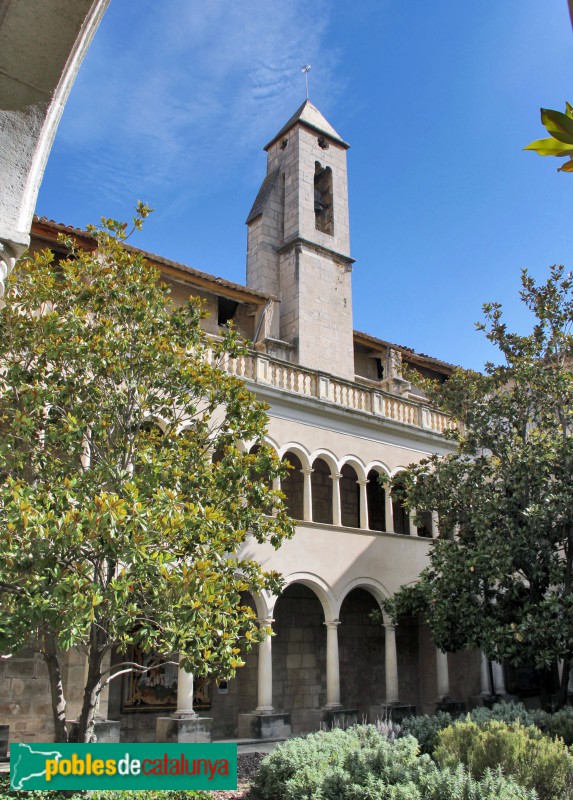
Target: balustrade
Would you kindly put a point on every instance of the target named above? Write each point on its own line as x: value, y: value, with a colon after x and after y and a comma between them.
x: 292, y: 378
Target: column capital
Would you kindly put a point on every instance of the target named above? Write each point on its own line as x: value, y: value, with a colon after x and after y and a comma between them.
x: 307, y: 470
x: 332, y: 623
x: 335, y: 476
x: 362, y: 481
x: 10, y: 252
x: 266, y: 622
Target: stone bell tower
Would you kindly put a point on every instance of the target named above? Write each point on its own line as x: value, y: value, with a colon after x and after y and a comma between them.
x: 298, y: 242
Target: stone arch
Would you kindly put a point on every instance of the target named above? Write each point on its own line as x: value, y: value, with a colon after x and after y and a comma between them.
x: 321, y: 589
x: 298, y: 450
x: 375, y: 587
x: 45, y: 44
x: 356, y: 464
x: 248, y: 446
x: 328, y: 457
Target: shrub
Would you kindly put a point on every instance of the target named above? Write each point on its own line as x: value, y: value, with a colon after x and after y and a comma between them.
x: 360, y: 764
x: 425, y: 729
x: 559, y: 724
x: 535, y: 761
x: 503, y: 712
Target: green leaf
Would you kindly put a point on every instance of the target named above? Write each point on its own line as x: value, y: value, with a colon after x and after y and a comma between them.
x: 558, y: 125
x: 550, y: 147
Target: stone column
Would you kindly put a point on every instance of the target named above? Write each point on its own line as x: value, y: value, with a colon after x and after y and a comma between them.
x: 499, y: 678
x: 485, y: 683
x: 10, y: 252
x: 336, y: 510
x: 412, y: 524
x: 442, y: 674
x: 265, y: 673
x: 435, y: 524
x: 307, y: 494
x: 363, y: 504
x: 184, y: 695
x: 332, y: 666
x: 388, y: 510
x: 391, y: 663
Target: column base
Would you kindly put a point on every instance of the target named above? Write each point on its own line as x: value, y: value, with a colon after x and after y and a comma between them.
x: 273, y: 725
x: 183, y: 730
x: 392, y: 711
x: 340, y: 717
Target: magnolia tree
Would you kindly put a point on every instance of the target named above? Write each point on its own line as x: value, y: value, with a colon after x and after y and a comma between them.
x: 501, y: 573
x: 125, y: 496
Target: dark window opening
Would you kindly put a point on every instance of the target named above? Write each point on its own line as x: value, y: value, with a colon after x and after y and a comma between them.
x: 401, y: 516
x: 379, y: 369
x: 323, y: 212
x: 226, y: 310
x: 349, y: 497
x: 376, y: 503
x: 321, y: 492
x: 293, y: 487
x: 426, y: 528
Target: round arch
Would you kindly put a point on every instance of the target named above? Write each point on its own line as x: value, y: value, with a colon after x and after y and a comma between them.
x: 321, y: 589
x: 298, y: 450
x: 371, y: 585
x: 356, y: 464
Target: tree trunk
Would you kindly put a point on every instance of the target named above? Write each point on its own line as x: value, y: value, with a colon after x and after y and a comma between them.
x: 92, y: 686
x: 564, y: 684
x: 58, y: 699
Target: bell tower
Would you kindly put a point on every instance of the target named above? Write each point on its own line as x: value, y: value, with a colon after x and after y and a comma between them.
x: 298, y: 246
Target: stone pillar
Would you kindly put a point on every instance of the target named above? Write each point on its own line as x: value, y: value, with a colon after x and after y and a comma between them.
x: 391, y: 663
x: 307, y: 494
x: 184, y: 695
x: 265, y: 722
x: 265, y: 673
x: 10, y: 252
x: 336, y: 512
x: 332, y: 666
x: 411, y: 523
x: 435, y: 524
x: 499, y: 678
x: 184, y: 725
x: 389, y: 510
x: 485, y: 683
x: 442, y: 674
x: 363, y: 504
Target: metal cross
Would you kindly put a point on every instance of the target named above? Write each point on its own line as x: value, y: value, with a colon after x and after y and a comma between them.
x: 306, y: 69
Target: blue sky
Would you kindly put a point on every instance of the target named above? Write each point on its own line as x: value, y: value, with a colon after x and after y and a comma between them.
x: 176, y: 99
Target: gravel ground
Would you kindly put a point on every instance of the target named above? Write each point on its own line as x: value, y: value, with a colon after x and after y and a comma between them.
x: 247, y: 766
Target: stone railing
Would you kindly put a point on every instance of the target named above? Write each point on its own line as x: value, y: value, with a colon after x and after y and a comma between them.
x: 265, y: 371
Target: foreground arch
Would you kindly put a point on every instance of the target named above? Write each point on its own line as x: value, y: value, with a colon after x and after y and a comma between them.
x: 42, y: 45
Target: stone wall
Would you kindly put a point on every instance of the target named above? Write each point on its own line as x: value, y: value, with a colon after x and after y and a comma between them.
x: 361, y: 654
x: 25, y: 702
x: 299, y: 658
